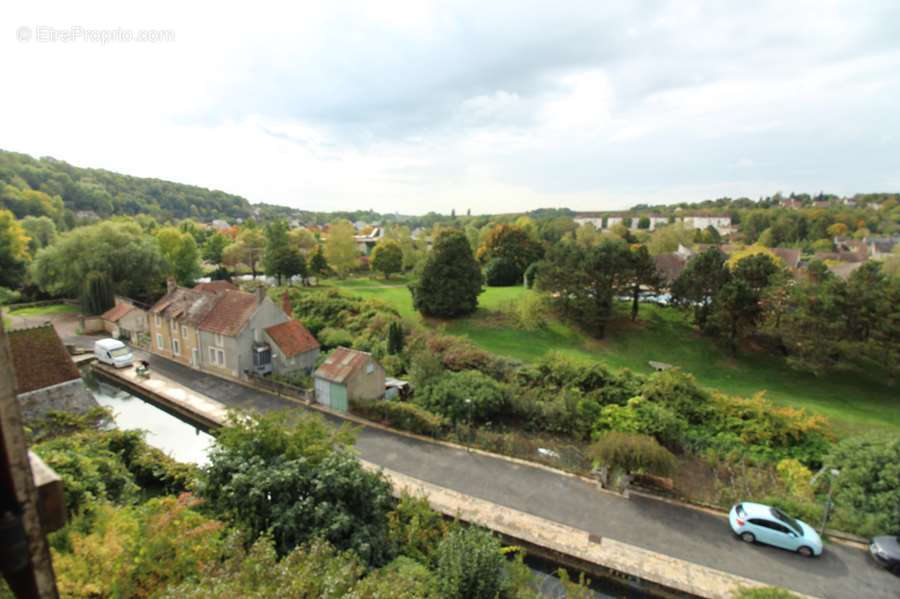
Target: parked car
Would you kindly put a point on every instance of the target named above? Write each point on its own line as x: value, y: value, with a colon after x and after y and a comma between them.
x: 113, y: 352
x: 886, y: 551
x: 757, y: 522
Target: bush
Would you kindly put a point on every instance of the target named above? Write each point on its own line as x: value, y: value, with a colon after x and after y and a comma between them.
x: 470, y: 565
x: 529, y: 312
x: 8, y: 296
x: 416, y: 529
x: 633, y: 453
x: 502, y: 272
x: 330, y: 338
x: 644, y: 417
x: 764, y: 593
x: 398, y: 414
x: 468, y: 396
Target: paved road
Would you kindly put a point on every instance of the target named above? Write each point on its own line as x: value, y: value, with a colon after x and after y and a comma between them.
x: 688, y: 534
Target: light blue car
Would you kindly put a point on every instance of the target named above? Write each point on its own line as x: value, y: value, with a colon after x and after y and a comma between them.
x: 757, y: 522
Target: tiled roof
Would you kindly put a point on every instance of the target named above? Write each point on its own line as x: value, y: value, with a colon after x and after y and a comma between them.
x: 341, y: 364
x: 187, y: 306
x: 39, y: 359
x: 117, y: 312
x: 845, y: 269
x: 292, y: 338
x: 230, y: 313
x: 790, y: 256
x: 217, y: 286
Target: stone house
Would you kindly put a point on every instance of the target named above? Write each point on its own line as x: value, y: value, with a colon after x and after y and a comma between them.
x: 46, y: 377
x: 224, y: 332
x: 125, y: 320
x: 348, y: 374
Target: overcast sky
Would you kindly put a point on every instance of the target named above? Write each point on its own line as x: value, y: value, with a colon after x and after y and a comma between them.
x: 491, y: 106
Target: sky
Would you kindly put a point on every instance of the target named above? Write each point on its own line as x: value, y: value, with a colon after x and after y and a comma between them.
x: 492, y: 107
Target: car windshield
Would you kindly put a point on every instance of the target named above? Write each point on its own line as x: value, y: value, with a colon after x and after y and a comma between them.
x: 118, y: 353
x: 779, y: 515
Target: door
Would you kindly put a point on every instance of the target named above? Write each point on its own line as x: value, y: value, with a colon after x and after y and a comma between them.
x: 195, y: 357
x: 338, y: 395
x: 322, y: 391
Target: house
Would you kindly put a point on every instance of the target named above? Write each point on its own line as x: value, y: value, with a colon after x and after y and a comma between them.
x: 592, y: 218
x: 348, y: 374
x: 124, y: 320
x: 844, y: 269
x: 720, y: 223
x: 366, y: 243
x: 879, y: 247
x: 217, y: 286
x: 228, y: 332
x: 46, y: 378
x: 789, y: 256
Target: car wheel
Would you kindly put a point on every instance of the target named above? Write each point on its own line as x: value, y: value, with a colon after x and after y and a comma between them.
x: 805, y: 551
x: 747, y: 537
x: 896, y: 569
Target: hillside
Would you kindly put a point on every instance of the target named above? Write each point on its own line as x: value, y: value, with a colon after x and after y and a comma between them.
x: 50, y: 187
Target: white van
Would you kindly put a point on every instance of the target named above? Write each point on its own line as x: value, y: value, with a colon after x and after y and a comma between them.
x: 113, y: 352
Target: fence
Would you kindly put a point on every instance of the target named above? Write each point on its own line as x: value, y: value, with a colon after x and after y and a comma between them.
x: 281, y: 388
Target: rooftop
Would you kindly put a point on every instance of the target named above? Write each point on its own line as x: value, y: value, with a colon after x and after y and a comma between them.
x: 292, y: 338
x: 341, y: 364
x: 39, y: 358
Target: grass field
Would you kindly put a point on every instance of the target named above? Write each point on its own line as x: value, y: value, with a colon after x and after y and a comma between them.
x: 46, y: 310
x: 852, y: 401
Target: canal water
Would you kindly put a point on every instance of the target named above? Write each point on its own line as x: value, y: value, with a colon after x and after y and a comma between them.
x: 187, y: 443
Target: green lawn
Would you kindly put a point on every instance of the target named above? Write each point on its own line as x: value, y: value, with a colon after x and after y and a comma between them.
x: 47, y: 310
x: 852, y: 401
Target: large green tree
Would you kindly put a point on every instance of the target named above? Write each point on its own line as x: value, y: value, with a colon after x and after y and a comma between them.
x: 282, y: 258
x: 41, y: 231
x: 340, y: 248
x: 296, y: 479
x: 642, y: 274
x: 513, y: 245
x: 450, y: 279
x: 214, y: 248
x: 699, y: 282
x: 387, y: 257
x: 120, y: 249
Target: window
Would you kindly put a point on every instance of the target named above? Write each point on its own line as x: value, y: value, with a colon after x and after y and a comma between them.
x: 156, y: 320
x: 184, y: 332
x: 176, y: 347
x: 219, y: 339
x: 217, y: 357
x: 370, y: 368
x: 159, y: 342
x: 173, y: 325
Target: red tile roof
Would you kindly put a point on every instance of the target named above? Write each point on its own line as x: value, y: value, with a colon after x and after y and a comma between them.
x: 292, y: 338
x: 186, y: 306
x: 230, y: 313
x: 117, y: 312
x: 217, y: 286
x: 341, y: 364
x: 39, y: 359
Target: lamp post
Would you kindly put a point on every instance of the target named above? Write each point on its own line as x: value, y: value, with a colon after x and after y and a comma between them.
x: 834, y: 473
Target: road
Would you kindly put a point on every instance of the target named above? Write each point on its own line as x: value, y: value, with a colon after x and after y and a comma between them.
x: 682, y: 532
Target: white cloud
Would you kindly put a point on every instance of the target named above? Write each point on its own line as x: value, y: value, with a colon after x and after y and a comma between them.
x: 419, y: 106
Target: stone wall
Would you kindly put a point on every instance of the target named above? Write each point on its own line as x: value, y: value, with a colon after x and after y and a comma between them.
x: 72, y: 396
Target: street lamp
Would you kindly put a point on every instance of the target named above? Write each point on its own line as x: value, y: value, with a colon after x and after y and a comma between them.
x: 834, y: 474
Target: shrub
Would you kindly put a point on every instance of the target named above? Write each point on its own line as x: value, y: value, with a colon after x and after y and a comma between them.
x: 470, y: 565
x: 330, y: 338
x: 416, y: 529
x: 633, y: 453
x: 529, y: 312
x: 398, y: 414
x: 502, y: 272
x: 8, y: 296
x: 764, y: 593
x: 468, y: 396
x: 645, y: 417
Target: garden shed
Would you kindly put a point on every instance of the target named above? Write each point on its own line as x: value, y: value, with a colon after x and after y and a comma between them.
x: 348, y: 374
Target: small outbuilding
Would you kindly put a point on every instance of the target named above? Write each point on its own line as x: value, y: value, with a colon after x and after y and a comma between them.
x: 124, y: 320
x: 348, y: 374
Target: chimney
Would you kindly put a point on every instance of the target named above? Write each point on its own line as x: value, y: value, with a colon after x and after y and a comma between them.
x: 170, y: 285
x: 286, y: 305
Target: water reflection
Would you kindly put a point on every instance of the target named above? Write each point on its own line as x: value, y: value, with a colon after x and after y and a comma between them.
x: 180, y: 440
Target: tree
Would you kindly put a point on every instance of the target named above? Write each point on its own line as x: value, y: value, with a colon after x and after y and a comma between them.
x: 41, y: 231
x: 340, y: 248
x: 643, y: 222
x: 734, y: 309
x: 252, y: 243
x: 469, y: 396
x: 470, y: 564
x: 317, y: 263
x: 387, y: 257
x: 120, y: 249
x: 513, y: 245
x: 282, y: 258
x: 412, y: 255
x: 186, y: 261
x: 303, y: 239
x: 667, y: 239
x: 395, y: 338
x: 583, y: 280
x: 97, y: 295
x: 641, y: 273
x: 696, y: 286
x: 500, y: 272
x: 757, y: 270
x: 214, y: 248
x: 13, y: 250
x: 450, y: 280
x: 296, y: 479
